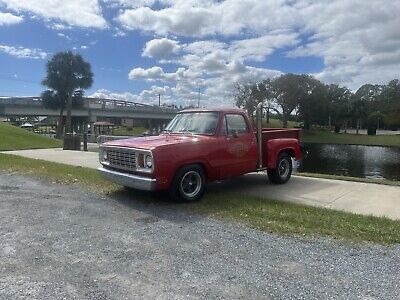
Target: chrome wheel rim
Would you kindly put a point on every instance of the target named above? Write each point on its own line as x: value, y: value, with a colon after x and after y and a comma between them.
x: 191, y: 184
x: 283, y: 168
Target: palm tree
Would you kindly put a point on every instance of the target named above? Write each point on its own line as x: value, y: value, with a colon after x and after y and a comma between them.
x: 67, y: 76
x: 53, y: 100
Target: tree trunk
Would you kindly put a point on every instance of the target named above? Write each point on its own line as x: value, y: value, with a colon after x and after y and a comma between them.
x: 60, y: 125
x: 284, y: 121
x: 268, y: 115
x: 68, y: 127
x: 358, y: 125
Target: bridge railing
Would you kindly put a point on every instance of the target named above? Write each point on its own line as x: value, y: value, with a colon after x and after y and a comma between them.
x: 92, y: 103
x: 21, y: 101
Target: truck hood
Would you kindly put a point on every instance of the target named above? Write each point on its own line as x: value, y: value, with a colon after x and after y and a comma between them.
x: 151, y: 142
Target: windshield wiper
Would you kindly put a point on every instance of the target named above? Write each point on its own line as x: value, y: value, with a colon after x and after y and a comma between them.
x: 187, y: 131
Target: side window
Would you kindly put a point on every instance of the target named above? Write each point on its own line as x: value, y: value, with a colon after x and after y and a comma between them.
x: 236, y: 123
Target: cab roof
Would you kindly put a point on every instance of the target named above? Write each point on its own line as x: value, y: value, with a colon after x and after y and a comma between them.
x: 214, y: 109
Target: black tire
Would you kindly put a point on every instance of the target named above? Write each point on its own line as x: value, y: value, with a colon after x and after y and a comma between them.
x: 189, y: 184
x: 281, y: 174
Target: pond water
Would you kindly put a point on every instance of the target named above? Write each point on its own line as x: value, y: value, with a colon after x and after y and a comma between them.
x: 351, y: 160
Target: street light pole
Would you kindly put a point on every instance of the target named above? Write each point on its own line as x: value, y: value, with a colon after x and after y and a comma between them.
x: 198, y: 100
x: 159, y: 99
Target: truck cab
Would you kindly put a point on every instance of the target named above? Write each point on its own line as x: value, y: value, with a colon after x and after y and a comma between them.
x: 200, y: 146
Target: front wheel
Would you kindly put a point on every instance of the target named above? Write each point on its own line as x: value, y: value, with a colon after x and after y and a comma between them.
x: 189, y: 184
x: 283, y: 171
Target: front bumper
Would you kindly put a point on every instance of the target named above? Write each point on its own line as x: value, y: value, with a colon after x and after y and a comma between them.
x: 129, y: 180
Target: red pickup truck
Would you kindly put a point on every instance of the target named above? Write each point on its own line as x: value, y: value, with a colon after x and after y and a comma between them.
x: 200, y: 146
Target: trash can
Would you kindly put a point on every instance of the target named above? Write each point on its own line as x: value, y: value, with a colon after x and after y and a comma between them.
x: 72, y: 141
x: 371, y: 130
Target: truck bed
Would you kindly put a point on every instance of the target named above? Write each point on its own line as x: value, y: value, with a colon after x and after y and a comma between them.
x: 279, y: 133
x: 273, y: 139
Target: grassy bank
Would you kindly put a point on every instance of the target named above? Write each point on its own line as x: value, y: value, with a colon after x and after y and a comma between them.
x: 294, y: 219
x: 126, y: 131
x: 266, y: 215
x: 57, y: 173
x: 15, y: 138
x: 325, y: 137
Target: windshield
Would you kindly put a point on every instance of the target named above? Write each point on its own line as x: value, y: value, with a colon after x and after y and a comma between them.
x: 194, y: 123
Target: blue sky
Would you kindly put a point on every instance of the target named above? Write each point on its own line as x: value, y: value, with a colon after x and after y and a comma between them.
x: 140, y: 48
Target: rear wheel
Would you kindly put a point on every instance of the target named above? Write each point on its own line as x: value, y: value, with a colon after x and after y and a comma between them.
x: 189, y: 184
x: 283, y: 171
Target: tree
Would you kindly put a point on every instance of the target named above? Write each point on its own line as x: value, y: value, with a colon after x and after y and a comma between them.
x: 245, y: 97
x: 312, y: 101
x: 391, y: 103
x: 359, y: 110
x: 53, y: 100
x: 263, y: 92
x: 286, y: 94
x: 338, y: 98
x: 67, y: 76
x: 297, y: 92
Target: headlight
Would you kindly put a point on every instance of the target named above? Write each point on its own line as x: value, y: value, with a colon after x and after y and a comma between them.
x: 105, y: 155
x: 149, y: 161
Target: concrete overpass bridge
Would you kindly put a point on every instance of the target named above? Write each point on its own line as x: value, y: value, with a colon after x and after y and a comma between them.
x: 92, y: 110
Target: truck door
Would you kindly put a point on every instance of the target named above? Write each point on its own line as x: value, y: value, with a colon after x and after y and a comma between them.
x: 240, y: 146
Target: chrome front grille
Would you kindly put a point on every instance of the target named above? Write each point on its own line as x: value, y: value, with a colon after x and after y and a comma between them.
x: 122, y: 159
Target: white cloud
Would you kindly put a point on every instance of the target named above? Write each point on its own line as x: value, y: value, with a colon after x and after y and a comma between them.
x: 216, y: 83
x: 227, y: 41
x: 64, y: 36
x: 151, y: 74
x: 161, y: 48
x: 106, y: 94
x: 21, y: 52
x: 148, y: 96
x: 81, y: 13
x: 260, y: 47
x: 357, y: 40
x: 59, y: 26
x: 9, y: 19
x: 169, y: 20
x: 201, y: 18
x: 353, y: 38
x: 129, y: 3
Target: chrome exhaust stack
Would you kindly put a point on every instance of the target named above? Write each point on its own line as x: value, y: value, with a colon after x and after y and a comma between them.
x: 259, y: 135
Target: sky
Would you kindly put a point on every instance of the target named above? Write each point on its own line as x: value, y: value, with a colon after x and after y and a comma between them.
x: 185, y: 49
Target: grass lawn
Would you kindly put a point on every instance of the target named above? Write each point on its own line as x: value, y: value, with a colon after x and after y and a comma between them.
x: 266, y: 215
x: 126, y: 131
x: 15, y: 138
x: 325, y: 137
x: 276, y: 123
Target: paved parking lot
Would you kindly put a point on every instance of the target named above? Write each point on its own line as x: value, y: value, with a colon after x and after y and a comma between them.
x: 58, y: 242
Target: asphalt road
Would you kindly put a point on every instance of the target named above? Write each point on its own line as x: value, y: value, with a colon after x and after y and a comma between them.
x: 58, y: 242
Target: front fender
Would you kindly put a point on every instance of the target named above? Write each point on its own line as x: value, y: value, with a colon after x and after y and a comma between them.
x: 168, y: 160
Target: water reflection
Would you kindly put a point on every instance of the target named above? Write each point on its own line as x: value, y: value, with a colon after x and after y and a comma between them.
x: 352, y: 160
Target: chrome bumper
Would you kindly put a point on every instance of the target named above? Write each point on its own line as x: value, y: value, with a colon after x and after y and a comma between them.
x: 129, y: 180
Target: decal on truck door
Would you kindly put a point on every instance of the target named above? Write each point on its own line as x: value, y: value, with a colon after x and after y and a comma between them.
x: 238, y: 145
x: 238, y: 149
